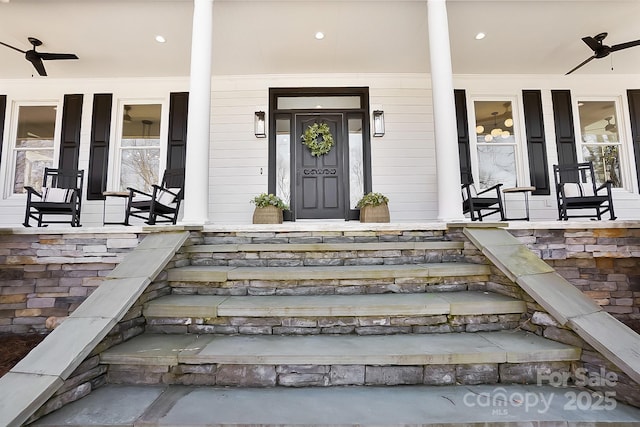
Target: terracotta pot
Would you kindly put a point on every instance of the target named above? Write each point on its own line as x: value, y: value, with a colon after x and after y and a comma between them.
x: 378, y: 213
x: 267, y: 215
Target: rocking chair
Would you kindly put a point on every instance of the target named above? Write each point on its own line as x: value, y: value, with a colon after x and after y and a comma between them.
x: 162, y: 204
x: 61, y: 196
x: 576, y: 189
x: 476, y: 202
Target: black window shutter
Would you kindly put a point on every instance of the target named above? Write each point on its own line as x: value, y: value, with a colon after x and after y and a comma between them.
x: 177, y: 143
x: 536, y: 145
x: 99, y: 146
x: 565, y: 134
x: 634, y: 111
x: 464, y: 151
x: 70, y: 141
x: 3, y: 111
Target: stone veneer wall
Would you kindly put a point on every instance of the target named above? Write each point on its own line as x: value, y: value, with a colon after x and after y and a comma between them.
x: 45, y: 275
x: 91, y: 374
x: 604, y: 263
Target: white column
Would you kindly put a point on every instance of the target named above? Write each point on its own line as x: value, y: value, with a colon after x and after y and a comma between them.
x: 196, y: 185
x: 444, y: 114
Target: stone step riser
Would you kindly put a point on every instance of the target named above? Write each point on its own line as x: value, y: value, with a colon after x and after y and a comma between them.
x: 376, y: 279
x: 321, y: 259
x: 335, y: 375
x: 331, y: 287
x: 359, y: 325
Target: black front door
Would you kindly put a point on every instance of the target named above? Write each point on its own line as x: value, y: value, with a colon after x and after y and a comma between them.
x: 320, y: 181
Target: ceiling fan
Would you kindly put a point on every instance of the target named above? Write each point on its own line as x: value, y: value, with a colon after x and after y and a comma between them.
x: 601, y: 50
x: 36, y: 57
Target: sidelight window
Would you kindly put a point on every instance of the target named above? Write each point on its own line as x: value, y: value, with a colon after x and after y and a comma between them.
x: 283, y: 159
x: 356, y: 161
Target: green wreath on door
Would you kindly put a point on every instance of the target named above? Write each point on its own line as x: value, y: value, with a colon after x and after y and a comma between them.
x: 318, y: 138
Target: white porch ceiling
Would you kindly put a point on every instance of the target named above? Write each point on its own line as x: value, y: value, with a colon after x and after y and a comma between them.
x: 115, y: 38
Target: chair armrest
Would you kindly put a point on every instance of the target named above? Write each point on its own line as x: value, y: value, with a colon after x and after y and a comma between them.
x: 606, y: 185
x: 495, y: 187
x: 133, y: 190
x: 166, y: 196
x: 31, y: 190
x: 166, y: 190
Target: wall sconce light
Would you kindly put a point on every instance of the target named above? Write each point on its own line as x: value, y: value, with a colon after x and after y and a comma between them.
x: 378, y: 123
x: 259, y: 125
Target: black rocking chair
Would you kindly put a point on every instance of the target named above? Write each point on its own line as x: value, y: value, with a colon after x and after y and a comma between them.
x: 576, y: 189
x: 61, y: 196
x: 475, y: 203
x: 162, y: 204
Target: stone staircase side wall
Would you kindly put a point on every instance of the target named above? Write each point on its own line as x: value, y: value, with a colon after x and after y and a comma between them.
x: 90, y: 374
x: 45, y: 276
x: 604, y: 263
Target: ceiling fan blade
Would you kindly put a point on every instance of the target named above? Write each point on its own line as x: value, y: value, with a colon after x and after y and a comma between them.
x: 50, y: 56
x: 592, y: 43
x: 580, y: 65
x: 626, y: 45
x: 38, y: 65
x: 11, y: 47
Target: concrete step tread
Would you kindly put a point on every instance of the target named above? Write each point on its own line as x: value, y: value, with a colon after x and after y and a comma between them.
x: 450, y: 406
x: 322, y: 247
x: 403, y: 349
x: 224, y: 273
x: 422, y: 304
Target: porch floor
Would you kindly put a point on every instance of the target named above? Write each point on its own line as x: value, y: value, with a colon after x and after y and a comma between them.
x: 329, y: 225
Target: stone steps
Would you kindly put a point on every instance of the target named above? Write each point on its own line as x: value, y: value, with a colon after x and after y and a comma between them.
x: 340, y: 279
x: 483, y: 357
x: 369, y: 314
x: 454, y: 303
x: 258, y: 325
x: 324, y: 251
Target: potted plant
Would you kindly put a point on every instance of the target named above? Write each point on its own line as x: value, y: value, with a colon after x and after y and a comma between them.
x: 374, y: 208
x: 268, y: 209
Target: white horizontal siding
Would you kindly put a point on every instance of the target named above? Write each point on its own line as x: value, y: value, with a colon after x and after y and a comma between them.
x: 403, y: 161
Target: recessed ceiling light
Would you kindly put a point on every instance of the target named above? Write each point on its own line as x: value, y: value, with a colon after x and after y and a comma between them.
x: 319, y: 35
x: 160, y: 39
x: 480, y: 36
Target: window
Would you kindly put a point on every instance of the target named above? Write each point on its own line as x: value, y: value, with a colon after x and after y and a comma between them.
x: 600, y: 139
x: 283, y: 159
x: 356, y: 163
x: 139, y: 149
x: 496, y: 144
x: 34, y: 147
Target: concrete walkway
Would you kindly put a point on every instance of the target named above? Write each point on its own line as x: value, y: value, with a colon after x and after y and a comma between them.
x: 494, y: 405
